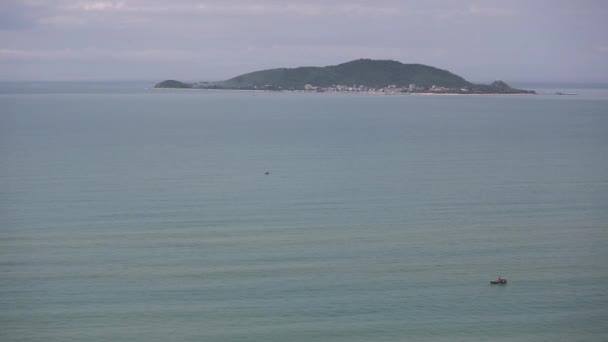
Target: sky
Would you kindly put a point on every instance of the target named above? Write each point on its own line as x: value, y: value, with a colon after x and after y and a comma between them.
x: 195, y: 40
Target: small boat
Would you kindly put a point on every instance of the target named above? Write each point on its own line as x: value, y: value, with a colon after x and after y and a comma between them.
x: 498, y: 281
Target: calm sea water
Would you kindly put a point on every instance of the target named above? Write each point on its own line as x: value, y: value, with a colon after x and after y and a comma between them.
x: 130, y: 214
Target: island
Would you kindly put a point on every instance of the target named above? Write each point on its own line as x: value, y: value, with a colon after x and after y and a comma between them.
x: 362, y: 76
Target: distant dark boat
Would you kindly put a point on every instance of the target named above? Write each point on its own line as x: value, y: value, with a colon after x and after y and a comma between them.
x: 267, y: 173
x: 498, y: 281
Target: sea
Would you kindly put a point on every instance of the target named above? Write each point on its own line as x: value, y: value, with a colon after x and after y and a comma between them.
x: 129, y: 213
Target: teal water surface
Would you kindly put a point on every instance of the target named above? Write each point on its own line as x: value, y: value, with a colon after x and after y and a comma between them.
x: 130, y: 214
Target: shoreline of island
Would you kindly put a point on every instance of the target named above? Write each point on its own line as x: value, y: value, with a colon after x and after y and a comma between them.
x: 341, y: 92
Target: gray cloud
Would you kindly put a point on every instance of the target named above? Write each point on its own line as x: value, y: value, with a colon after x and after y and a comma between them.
x: 214, y: 39
x: 15, y: 16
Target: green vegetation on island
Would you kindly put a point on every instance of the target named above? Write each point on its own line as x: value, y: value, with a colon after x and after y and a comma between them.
x: 363, y: 75
x: 173, y: 84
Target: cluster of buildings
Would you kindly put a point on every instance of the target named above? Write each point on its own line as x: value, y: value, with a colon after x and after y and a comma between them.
x: 390, y: 89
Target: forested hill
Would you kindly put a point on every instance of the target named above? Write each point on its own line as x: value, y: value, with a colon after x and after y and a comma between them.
x: 366, y: 72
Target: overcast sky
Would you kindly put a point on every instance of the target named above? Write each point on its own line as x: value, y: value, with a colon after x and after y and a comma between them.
x: 519, y: 41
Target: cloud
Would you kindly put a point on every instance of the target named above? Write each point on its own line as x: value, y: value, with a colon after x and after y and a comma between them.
x: 98, y: 5
x: 236, y: 7
x: 226, y: 37
x: 301, y: 9
x: 97, y: 55
x: 16, y: 16
x: 106, y: 13
x: 490, y: 11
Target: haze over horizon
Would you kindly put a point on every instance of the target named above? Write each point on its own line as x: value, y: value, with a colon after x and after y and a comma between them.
x: 516, y: 41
